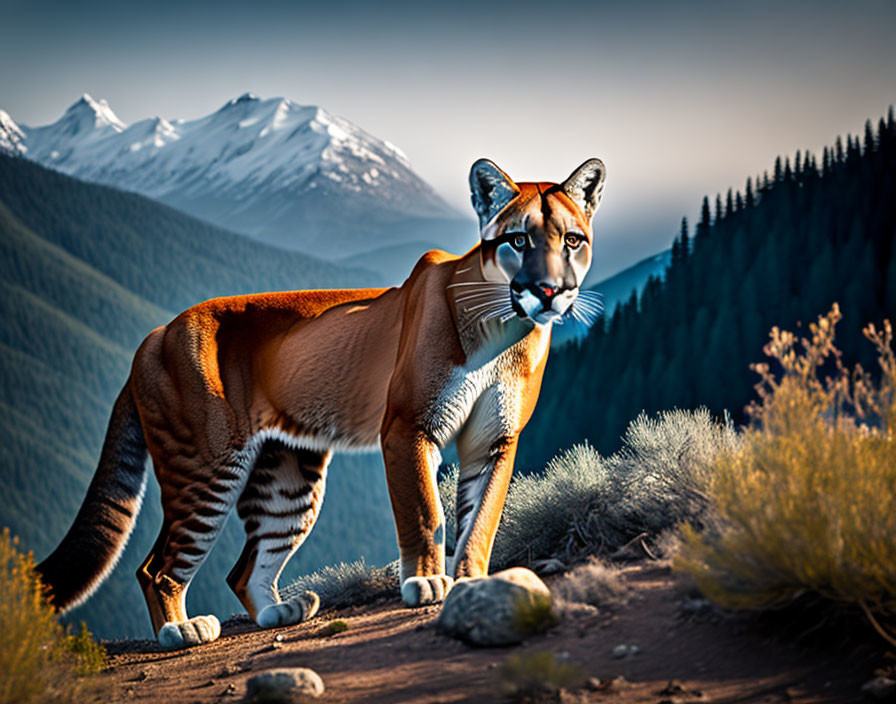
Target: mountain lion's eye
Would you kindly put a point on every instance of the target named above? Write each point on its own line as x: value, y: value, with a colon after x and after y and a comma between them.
x: 573, y: 240
x: 519, y: 242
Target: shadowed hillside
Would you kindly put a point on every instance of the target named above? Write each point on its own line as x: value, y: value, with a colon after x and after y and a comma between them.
x: 86, y: 272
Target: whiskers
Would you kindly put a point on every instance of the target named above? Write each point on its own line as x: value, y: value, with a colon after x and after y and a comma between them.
x: 483, y: 302
x: 581, y: 315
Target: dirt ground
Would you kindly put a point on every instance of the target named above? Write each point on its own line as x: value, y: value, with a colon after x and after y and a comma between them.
x: 394, y: 654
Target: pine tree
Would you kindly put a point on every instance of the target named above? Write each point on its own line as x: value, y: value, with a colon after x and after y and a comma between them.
x: 869, y: 137
x: 703, y: 227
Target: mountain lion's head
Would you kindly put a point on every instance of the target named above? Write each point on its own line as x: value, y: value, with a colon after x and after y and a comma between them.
x: 537, y: 238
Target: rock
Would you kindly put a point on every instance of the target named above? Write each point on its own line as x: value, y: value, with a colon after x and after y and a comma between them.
x: 880, y: 688
x: 498, y: 610
x: 623, y: 651
x: 294, y: 684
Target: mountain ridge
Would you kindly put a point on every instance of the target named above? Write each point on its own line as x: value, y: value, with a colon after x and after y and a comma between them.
x: 287, y: 174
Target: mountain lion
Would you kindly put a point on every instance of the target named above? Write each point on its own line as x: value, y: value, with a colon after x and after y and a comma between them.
x: 241, y: 402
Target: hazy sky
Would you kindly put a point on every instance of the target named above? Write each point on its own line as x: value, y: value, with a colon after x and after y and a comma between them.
x: 679, y: 100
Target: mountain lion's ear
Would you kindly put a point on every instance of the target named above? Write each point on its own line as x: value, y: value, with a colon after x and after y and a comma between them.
x: 491, y: 190
x: 586, y: 185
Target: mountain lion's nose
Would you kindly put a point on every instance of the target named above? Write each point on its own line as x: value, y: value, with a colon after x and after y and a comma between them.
x: 549, y: 290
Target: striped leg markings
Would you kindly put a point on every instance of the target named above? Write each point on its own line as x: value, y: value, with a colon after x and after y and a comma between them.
x: 279, y: 507
x: 195, y: 511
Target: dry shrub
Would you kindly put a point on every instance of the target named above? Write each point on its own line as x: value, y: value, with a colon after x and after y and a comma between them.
x: 808, y: 503
x: 40, y: 662
x: 583, y: 504
x: 594, y: 583
x: 347, y: 584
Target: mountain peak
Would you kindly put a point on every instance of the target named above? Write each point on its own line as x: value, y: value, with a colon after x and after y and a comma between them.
x: 11, y: 136
x: 86, y: 110
x: 244, y: 99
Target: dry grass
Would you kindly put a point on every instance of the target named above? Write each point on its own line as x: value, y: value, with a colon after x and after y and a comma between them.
x: 39, y: 661
x: 807, y: 504
x: 347, y: 584
x: 594, y: 583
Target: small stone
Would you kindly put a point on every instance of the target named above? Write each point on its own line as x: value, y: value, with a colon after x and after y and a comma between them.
x: 228, y: 691
x: 594, y: 684
x: 634, y: 650
x: 880, y: 688
x: 279, y: 637
x: 619, y: 652
x: 498, y: 610
x: 284, y: 686
x: 619, y: 683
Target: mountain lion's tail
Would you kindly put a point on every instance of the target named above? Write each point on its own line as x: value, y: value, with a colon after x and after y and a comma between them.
x: 92, y: 546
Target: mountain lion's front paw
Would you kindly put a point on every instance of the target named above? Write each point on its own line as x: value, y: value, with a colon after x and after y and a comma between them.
x: 417, y: 591
x: 184, y: 634
x: 295, y: 610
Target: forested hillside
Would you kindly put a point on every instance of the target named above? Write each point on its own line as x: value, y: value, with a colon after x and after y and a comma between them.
x: 85, y: 272
x: 815, y: 231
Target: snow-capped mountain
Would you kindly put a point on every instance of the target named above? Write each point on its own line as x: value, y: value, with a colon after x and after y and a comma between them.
x: 288, y: 174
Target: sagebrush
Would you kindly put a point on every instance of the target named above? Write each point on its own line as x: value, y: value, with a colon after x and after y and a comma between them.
x: 346, y: 584
x: 808, y: 500
x: 582, y: 504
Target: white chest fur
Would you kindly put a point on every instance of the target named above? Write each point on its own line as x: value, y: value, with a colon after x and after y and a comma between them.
x: 495, y: 379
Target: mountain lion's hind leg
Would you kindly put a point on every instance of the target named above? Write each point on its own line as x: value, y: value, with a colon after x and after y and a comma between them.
x: 279, y: 507
x: 195, y: 506
x: 412, y: 460
x: 195, y: 510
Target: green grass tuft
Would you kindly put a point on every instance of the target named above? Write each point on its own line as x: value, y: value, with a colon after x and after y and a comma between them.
x: 89, y: 656
x: 333, y: 627
x: 533, y: 614
x: 534, y: 674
